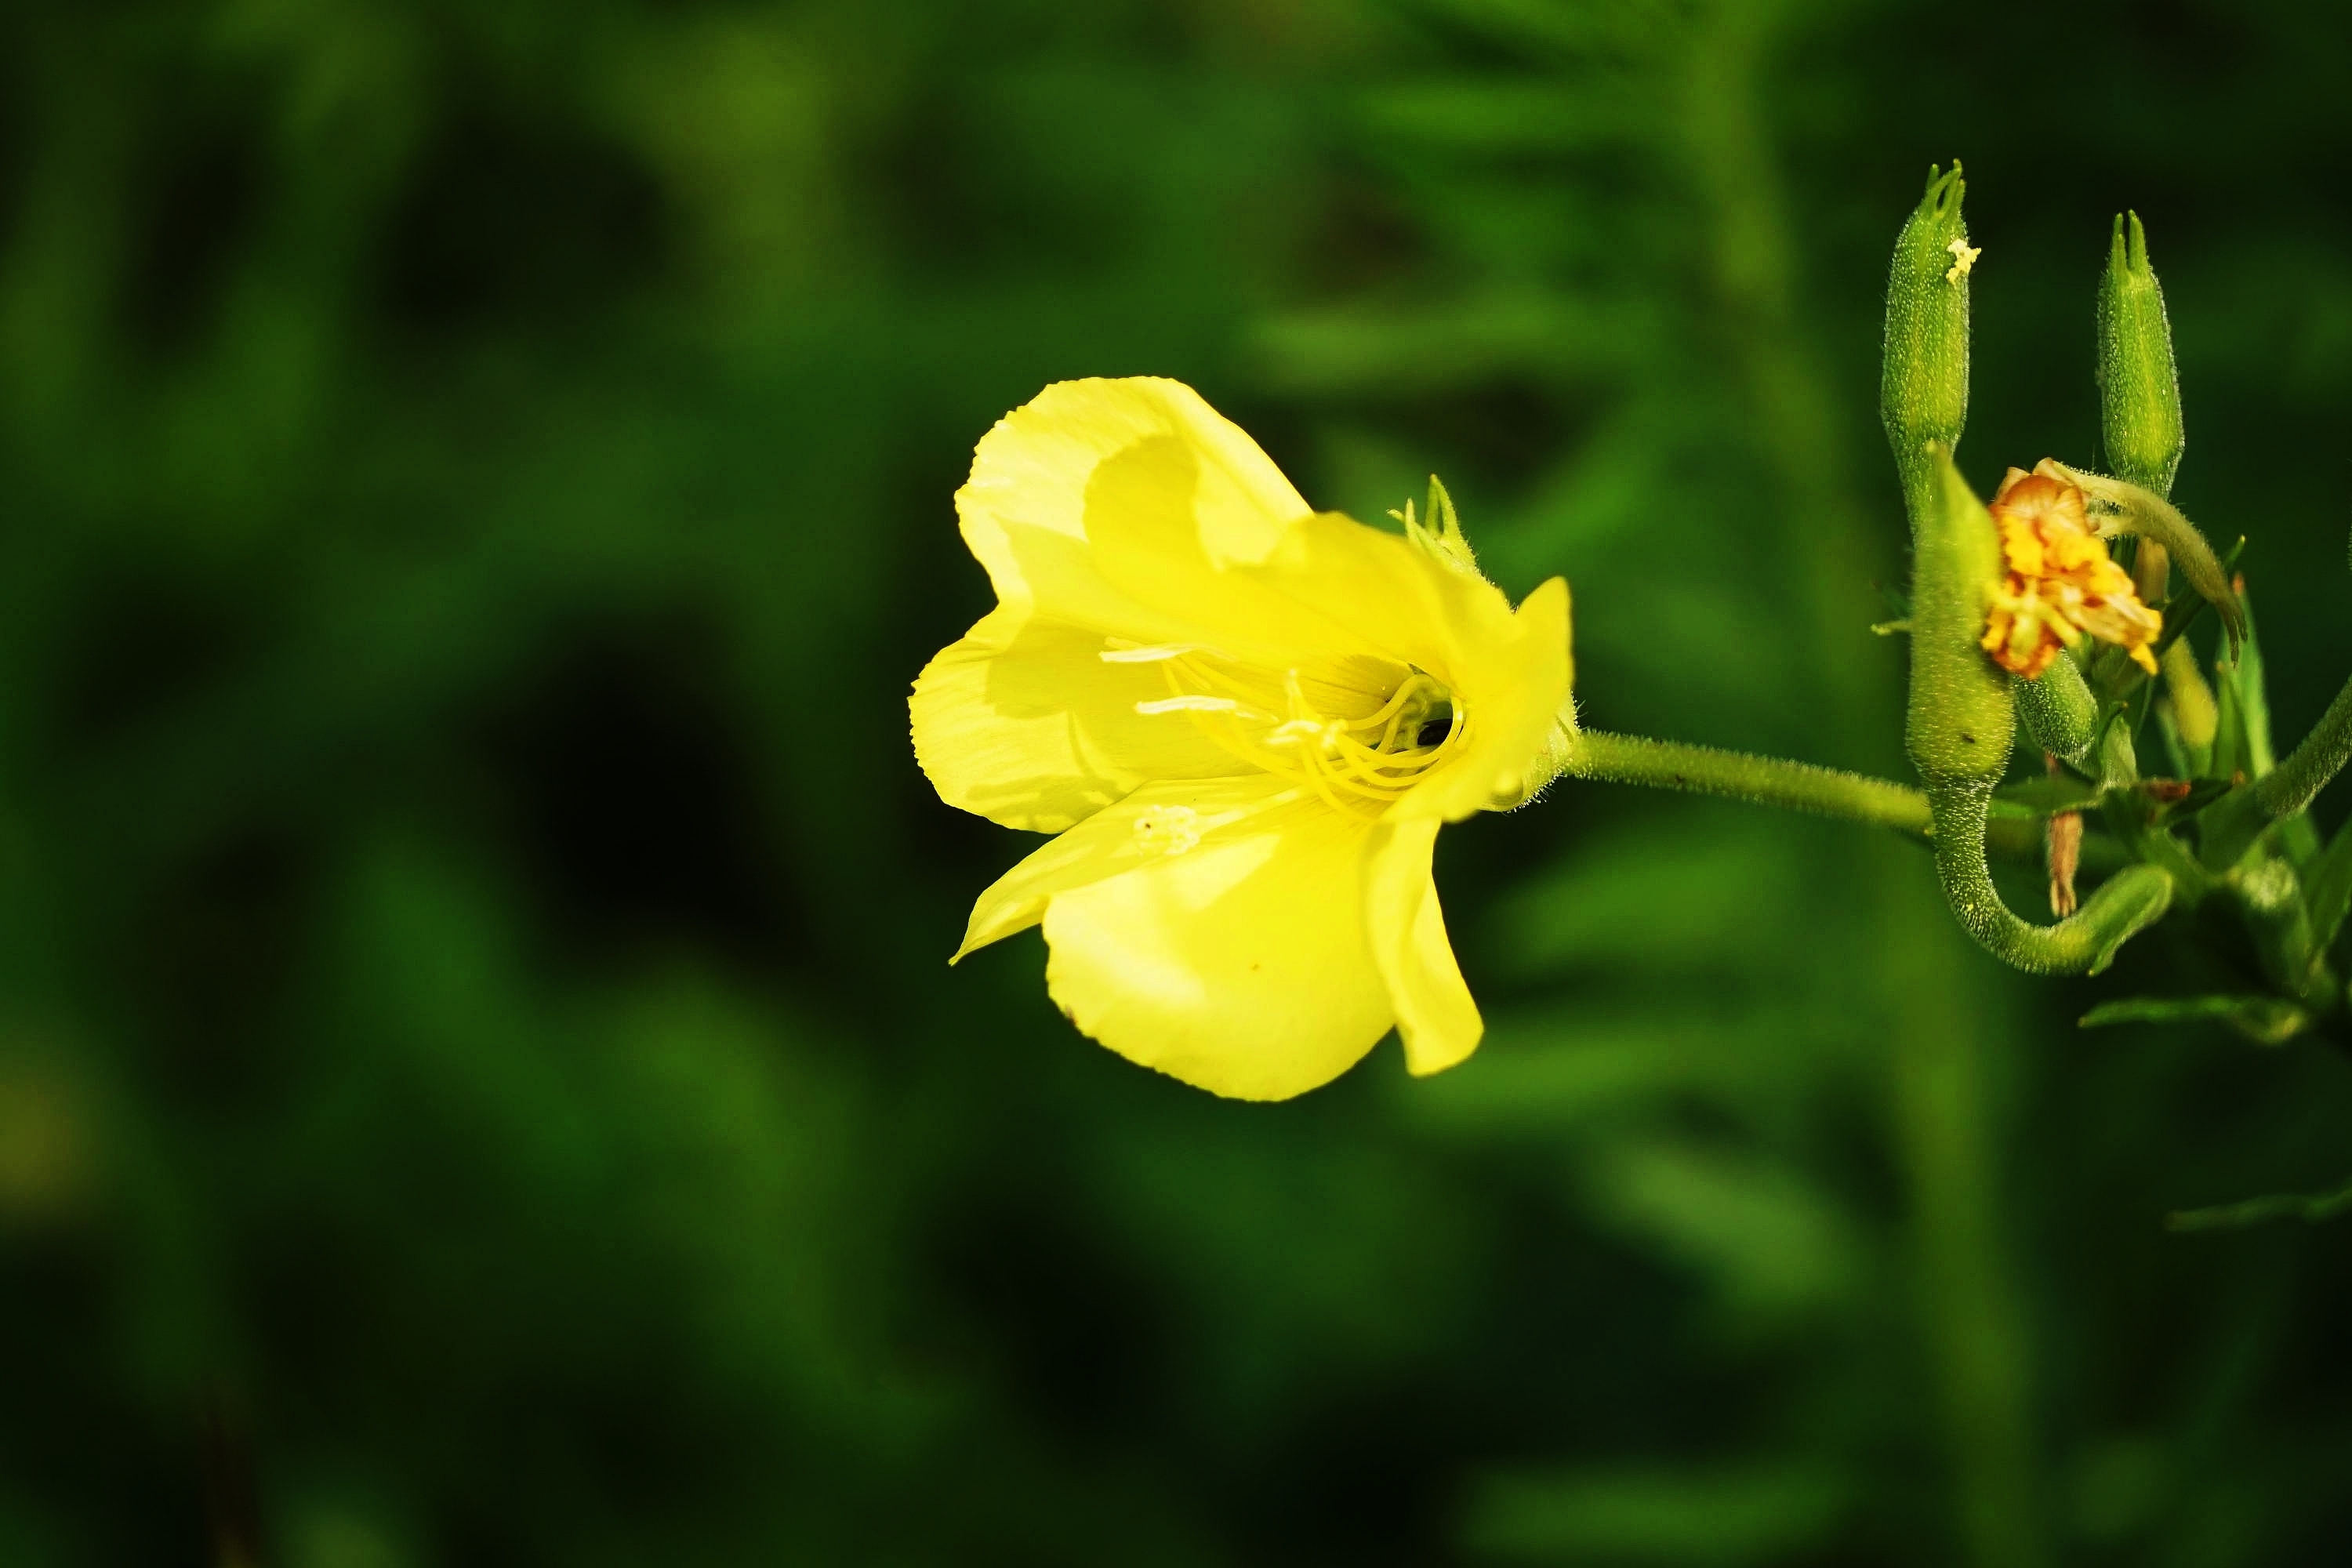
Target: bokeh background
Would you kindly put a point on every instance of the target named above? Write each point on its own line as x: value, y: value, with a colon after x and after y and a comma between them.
x: 479, y: 1081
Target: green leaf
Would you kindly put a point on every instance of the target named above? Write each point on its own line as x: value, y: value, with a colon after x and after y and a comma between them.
x: 2241, y: 680
x: 1770, y: 1242
x: 2266, y: 1020
x: 1744, y: 1514
x: 2257, y: 1211
x: 2329, y: 884
x: 2049, y: 794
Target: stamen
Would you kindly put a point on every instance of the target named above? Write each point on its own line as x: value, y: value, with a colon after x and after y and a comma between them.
x: 1135, y: 655
x: 1389, y: 735
x: 1357, y: 765
x: 1190, y: 703
x: 1394, y: 705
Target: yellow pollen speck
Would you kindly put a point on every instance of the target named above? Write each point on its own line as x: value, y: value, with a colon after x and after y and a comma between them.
x: 1170, y: 830
x: 1964, y: 256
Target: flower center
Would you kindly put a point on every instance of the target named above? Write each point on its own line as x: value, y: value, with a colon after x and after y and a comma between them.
x: 1358, y: 744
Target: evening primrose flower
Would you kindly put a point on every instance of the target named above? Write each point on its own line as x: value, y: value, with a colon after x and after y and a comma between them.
x: 2060, y: 583
x: 1246, y: 721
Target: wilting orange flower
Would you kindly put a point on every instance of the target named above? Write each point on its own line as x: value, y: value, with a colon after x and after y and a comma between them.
x: 2061, y: 582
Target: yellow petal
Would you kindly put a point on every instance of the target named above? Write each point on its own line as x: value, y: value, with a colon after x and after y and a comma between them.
x: 1155, y: 540
x: 1381, y: 593
x: 1511, y: 672
x: 1024, y: 723
x: 1240, y: 966
x: 1043, y: 478
x: 1436, y: 1016
x: 1515, y: 691
x: 1129, y: 505
x: 1173, y: 817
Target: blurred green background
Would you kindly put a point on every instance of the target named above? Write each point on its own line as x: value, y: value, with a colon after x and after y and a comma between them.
x: 479, y: 1081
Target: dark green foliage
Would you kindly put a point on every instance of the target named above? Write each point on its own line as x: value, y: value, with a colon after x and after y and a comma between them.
x: 479, y: 1081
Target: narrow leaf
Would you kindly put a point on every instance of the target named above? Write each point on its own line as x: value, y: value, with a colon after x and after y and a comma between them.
x: 2256, y: 1211
x: 2267, y: 1020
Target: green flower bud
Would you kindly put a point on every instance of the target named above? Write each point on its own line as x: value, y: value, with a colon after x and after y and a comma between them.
x: 1961, y: 715
x: 2194, y: 716
x: 1923, y: 389
x: 2140, y: 391
x: 2279, y: 921
x: 2059, y: 711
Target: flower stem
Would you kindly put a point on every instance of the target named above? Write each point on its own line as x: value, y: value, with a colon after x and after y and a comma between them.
x: 1766, y: 781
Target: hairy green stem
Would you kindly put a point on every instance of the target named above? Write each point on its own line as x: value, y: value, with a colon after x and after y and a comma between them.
x: 2230, y: 825
x: 2150, y: 516
x: 1766, y: 781
x: 2289, y: 788
x: 1606, y: 758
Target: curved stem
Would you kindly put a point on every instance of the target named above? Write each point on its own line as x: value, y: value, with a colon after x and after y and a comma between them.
x: 2289, y: 788
x: 2230, y: 825
x: 2083, y: 943
x: 2150, y: 516
x: 1766, y: 781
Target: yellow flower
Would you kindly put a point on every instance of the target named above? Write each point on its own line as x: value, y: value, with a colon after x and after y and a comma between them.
x: 1246, y: 721
x: 2060, y: 583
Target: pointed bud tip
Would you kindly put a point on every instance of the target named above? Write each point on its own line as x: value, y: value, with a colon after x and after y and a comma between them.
x: 2127, y: 249
x: 2139, y: 382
